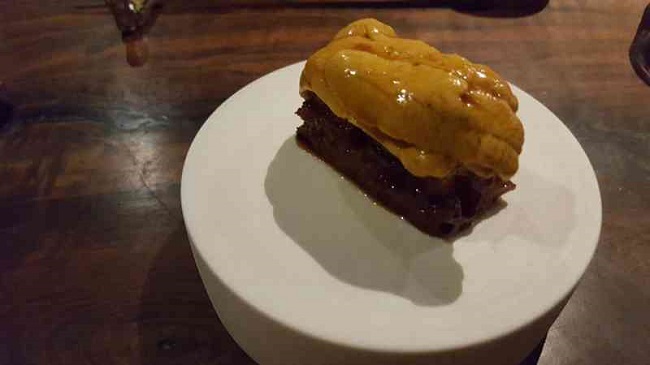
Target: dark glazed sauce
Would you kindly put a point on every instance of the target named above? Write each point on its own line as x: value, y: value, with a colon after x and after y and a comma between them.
x: 640, y: 48
x: 134, y: 18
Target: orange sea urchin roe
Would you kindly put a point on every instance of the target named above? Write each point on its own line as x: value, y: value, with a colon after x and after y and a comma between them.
x: 435, y: 112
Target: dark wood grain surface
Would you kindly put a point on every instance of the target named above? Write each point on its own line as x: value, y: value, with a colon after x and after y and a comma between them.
x: 95, y: 266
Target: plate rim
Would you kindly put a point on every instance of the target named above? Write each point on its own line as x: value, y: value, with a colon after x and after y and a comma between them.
x: 566, y: 292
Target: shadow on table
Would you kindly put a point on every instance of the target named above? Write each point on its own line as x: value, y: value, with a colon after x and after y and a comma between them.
x: 533, y: 357
x: 6, y: 109
x: 177, y: 323
x: 482, y: 8
x: 499, y: 8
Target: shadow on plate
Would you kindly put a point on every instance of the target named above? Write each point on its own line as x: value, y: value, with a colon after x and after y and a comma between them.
x: 177, y: 323
x: 544, y: 213
x: 354, y: 240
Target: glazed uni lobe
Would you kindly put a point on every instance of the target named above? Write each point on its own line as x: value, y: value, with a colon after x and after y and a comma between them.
x: 435, y: 112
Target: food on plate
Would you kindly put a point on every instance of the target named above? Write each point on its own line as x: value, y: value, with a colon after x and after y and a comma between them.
x: 432, y: 137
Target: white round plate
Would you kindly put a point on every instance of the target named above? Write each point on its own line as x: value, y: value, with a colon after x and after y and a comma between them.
x: 305, y: 249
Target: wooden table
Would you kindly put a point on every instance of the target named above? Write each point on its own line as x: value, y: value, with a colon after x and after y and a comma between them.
x: 95, y: 266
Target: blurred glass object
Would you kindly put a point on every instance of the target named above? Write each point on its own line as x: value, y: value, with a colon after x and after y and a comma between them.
x: 640, y: 48
x: 134, y: 18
